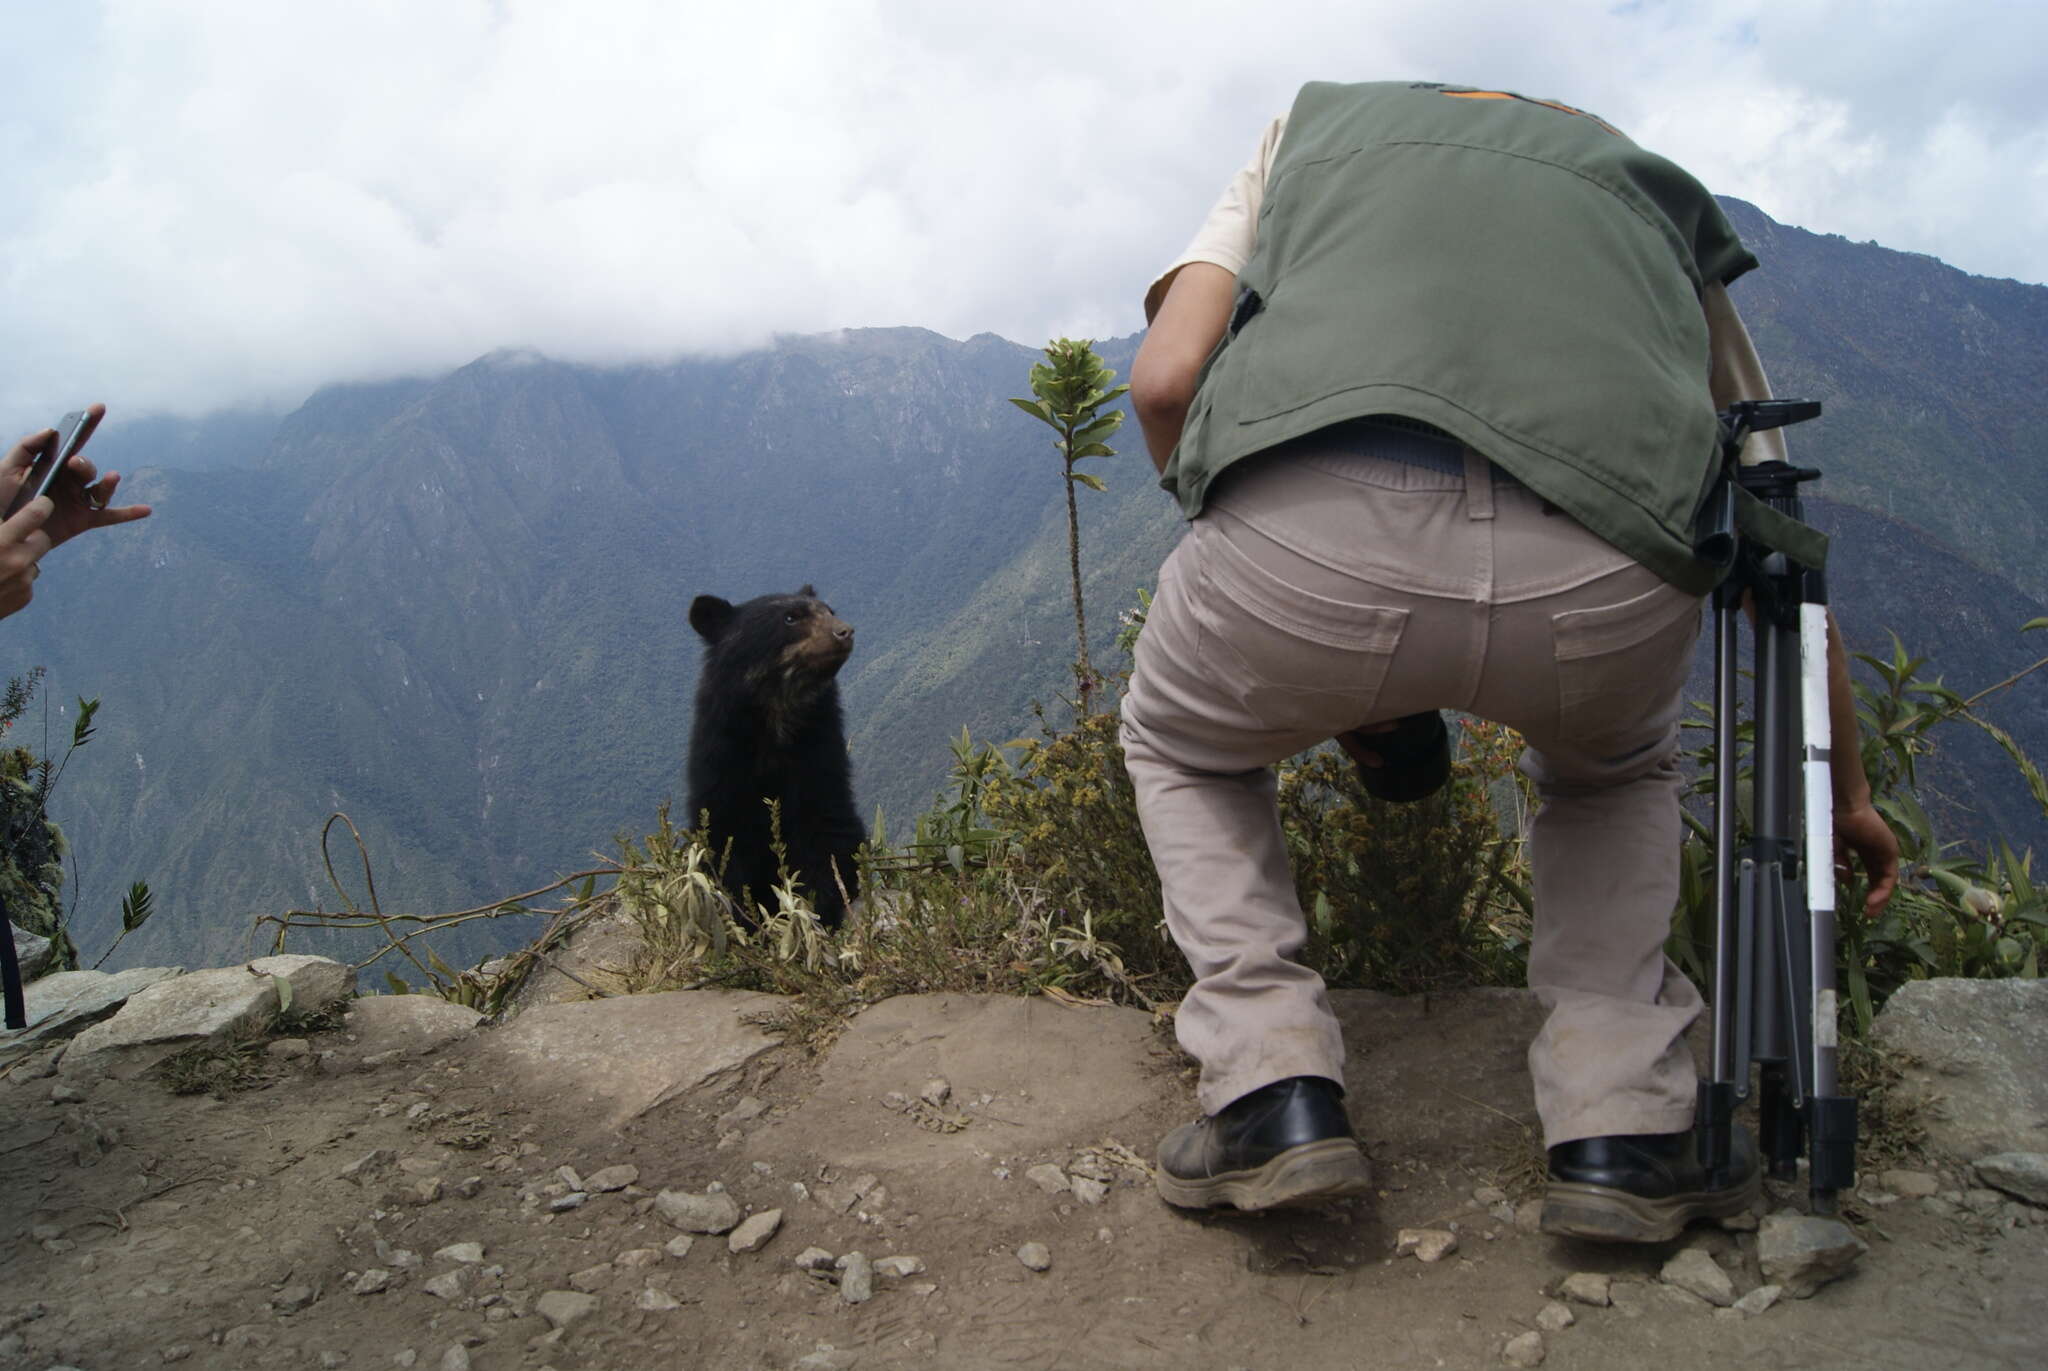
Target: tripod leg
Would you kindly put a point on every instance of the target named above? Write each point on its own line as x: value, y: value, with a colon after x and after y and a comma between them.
x: 1729, y: 1079
x: 1832, y: 1117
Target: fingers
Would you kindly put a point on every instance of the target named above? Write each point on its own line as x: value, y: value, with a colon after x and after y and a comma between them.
x: 24, y: 531
x: 24, y: 452
x: 15, y: 593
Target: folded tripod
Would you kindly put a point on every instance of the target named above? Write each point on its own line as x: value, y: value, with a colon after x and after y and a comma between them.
x: 1774, y: 895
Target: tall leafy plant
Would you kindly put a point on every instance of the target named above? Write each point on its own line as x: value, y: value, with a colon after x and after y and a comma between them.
x: 1068, y: 392
x: 32, y: 848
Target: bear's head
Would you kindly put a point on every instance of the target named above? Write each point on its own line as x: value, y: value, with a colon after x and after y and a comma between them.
x: 796, y: 637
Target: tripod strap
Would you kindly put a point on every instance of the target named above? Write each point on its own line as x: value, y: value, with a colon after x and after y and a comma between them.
x: 1802, y: 542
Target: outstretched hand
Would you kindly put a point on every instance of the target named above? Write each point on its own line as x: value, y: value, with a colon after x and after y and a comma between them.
x: 84, y: 500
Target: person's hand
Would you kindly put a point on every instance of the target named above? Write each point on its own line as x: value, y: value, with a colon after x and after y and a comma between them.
x: 1861, y: 830
x: 23, y: 541
x: 84, y: 503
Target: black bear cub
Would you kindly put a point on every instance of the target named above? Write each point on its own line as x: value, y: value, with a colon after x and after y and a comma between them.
x: 768, y: 727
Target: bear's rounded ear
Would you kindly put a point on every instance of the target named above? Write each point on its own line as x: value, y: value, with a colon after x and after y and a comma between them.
x: 710, y: 616
x: 809, y: 591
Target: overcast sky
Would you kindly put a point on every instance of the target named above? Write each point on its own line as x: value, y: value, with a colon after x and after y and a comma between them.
x: 234, y: 202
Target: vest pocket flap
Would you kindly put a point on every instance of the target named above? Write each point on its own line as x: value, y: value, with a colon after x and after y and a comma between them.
x: 1297, y: 612
x: 1582, y: 633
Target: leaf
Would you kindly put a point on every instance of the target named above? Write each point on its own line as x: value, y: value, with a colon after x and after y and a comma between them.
x: 2030, y: 625
x: 1037, y: 409
x: 81, y: 730
x: 136, y: 907
x: 397, y: 986
x: 284, y: 994
x: 1859, y: 996
x: 1090, y: 481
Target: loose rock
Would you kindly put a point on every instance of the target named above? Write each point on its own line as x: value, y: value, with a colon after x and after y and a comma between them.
x: 2024, y: 1174
x: 591, y: 1278
x: 754, y: 1234
x: 371, y: 1282
x: 466, y: 1252
x: 936, y: 1091
x: 1802, y: 1253
x: 1555, y: 1317
x: 1587, y: 1287
x: 659, y: 1301
x: 896, y: 1268
x: 450, y: 1285
x: 1914, y: 1185
x: 1035, y: 1255
x: 1048, y: 1177
x: 712, y: 1212
x: 1425, y: 1244
x: 564, y: 1308
x: 293, y: 1298
x: 1089, y: 1191
x: 1524, y: 1349
x: 1759, y: 1299
x: 611, y: 1178
x: 1696, y: 1273
x: 814, y: 1259
x: 679, y: 1247
x: 856, y: 1278
x: 636, y: 1257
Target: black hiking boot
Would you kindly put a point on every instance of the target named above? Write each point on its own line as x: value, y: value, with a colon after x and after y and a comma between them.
x: 1643, y: 1187
x: 1284, y: 1144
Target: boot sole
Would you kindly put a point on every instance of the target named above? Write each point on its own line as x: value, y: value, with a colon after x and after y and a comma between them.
x: 1604, y: 1214
x: 1309, y: 1174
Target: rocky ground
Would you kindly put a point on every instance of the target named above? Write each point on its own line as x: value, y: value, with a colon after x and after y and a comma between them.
x: 658, y: 1181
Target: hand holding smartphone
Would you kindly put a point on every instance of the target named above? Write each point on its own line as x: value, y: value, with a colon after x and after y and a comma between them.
x: 49, y: 463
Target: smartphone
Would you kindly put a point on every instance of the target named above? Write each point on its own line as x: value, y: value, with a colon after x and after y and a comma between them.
x: 72, y: 431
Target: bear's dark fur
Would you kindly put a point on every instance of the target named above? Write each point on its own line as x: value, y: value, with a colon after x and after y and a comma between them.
x: 768, y: 727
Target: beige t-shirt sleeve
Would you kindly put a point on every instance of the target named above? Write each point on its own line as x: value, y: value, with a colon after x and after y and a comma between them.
x: 1227, y: 237
x: 1231, y: 231
x: 1737, y: 373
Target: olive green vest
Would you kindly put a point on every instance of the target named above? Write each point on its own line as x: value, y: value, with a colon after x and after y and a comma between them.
x: 1514, y: 272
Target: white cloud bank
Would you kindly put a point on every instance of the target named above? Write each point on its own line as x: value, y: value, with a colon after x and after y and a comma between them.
x: 223, y: 203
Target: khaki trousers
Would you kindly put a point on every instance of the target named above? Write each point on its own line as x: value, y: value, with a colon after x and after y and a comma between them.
x: 1325, y: 588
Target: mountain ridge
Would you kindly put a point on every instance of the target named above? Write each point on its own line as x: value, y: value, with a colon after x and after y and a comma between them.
x: 454, y: 606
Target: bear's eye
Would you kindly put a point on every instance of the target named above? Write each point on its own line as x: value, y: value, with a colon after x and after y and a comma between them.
x: 790, y: 617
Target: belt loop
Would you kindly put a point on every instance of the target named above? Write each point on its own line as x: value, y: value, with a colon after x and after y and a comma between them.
x: 1478, y: 486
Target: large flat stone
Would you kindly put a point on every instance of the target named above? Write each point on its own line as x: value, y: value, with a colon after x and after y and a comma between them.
x: 413, y: 1023
x: 1979, y: 1049
x: 62, y: 1005
x: 597, y: 954
x: 619, y: 1058
x: 209, y: 1006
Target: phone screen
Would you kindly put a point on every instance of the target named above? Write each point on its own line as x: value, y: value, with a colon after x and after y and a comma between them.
x: 72, y: 431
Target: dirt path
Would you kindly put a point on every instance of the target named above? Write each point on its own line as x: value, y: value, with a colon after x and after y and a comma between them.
x: 139, y: 1228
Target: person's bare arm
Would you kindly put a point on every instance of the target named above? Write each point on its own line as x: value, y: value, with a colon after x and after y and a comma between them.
x: 1190, y: 321
x: 1859, y: 828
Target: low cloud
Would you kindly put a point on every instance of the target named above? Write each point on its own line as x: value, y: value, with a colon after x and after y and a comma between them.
x: 231, y: 203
